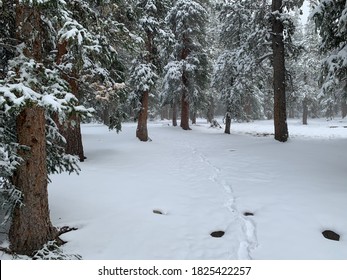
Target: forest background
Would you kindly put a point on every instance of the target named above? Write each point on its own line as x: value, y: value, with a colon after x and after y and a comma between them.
x: 67, y: 62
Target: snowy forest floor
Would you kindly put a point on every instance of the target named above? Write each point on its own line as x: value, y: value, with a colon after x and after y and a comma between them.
x: 163, y: 199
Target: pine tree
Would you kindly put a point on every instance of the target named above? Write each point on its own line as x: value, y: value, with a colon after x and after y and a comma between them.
x: 280, y: 113
x: 87, y: 56
x: 31, y: 89
x: 146, y: 68
x: 282, y: 28
x: 331, y: 22
x: 303, y: 68
x: 239, y: 69
x: 186, y: 74
x: 104, y: 86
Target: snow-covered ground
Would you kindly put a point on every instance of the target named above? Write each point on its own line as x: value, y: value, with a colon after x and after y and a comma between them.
x: 203, y: 181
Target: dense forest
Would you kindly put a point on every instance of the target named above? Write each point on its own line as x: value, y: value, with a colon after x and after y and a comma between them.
x: 67, y: 62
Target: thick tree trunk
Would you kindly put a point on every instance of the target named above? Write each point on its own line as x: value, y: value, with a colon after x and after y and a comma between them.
x: 280, y: 118
x: 71, y: 129
x: 31, y: 227
x: 227, y: 123
x: 174, y: 114
x: 185, y: 112
x: 142, y: 131
x: 305, y: 112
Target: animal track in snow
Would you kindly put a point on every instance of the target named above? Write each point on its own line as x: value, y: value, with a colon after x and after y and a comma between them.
x: 248, y: 227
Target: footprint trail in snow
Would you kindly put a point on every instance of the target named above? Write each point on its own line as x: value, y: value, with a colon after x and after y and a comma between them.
x: 248, y: 228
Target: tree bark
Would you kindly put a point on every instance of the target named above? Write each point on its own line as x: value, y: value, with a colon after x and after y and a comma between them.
x: 142, y: 131
x: 280, y: 118
x: 227, y: 123
x: 184, y: 101
x: 185, y: 112
x: 71, y: 129
x: 31, y: 227
x: 184, y: 98
x: 174, y: 114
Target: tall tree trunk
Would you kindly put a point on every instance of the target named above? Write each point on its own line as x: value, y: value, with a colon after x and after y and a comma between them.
x: 280, y: 118
x: 142, y: 131
x: 184, y: 100
x: 185, y: 112
x: 71, y: 129
x: 174, y: 114
x: 305, y: 111
x: 184, y: 103
x: 31, y: 227
x: 227, y: 123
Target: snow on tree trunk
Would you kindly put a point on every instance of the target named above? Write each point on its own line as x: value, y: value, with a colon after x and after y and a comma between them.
x: 142, y: 131
x: 31, y: 227
x: 280, y: 118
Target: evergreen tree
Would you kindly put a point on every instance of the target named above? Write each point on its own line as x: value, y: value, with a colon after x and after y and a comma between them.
x: 31, y: 89
x: 280, y: 115
x: 282, y: 31
x: 331, y: 21
x: 239, y: 69
x: 186, y: 74
x: 87, y: 56
x: 303, y: 68
x: 145, y: 69
x: 116, y: 31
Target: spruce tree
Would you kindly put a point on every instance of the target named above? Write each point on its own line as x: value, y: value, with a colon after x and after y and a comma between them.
x: 302, y: 69
x: 281, y: 24
x: 331, y: 22
x: 186, y: 74
x: 240, y: 68
x: 31, y: 90
x: 147, y: 66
